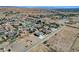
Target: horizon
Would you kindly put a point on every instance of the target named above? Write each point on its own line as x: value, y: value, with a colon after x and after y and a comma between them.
x: 68, y: 7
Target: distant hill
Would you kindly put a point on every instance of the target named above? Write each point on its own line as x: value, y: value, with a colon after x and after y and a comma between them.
x: 48, y: 8
x: 67, y: 10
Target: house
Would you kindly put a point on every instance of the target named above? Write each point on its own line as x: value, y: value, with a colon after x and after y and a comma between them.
x: 39, y: 34
x: 53, y: 29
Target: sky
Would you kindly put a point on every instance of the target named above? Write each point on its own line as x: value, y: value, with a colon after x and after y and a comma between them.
x: 43, y: 6
x: 39, y: 2
x: 48, y: 6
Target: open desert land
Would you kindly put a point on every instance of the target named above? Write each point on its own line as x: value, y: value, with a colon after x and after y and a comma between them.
x: 75, y: 46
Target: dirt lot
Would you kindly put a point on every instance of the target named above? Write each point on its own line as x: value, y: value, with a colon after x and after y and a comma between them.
x: 75, y: 47
x: 22, y: 44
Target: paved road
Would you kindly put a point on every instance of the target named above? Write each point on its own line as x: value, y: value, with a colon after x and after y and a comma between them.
x: 46, y: 38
